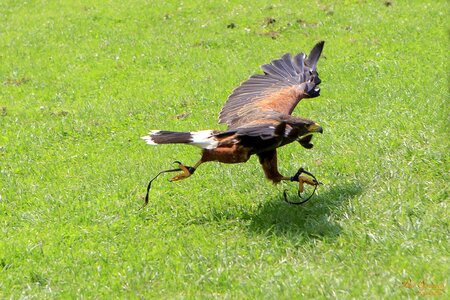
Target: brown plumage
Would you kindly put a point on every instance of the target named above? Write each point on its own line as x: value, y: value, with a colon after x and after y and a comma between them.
x: 258, y: 115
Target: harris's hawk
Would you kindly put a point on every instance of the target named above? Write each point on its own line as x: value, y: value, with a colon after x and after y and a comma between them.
x: 258, y: 115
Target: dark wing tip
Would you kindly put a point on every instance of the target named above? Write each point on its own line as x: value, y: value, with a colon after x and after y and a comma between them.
x: 320, y: 44
x: 314, y: 55
x: 318, y: 47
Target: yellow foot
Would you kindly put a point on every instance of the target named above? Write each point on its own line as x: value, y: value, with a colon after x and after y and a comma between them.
x: 186, y: 172
x: 302, y: 180
x: 308, y: 180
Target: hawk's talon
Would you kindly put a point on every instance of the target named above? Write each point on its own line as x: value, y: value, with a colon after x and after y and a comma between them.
x: 302, y: 180
x: 186, y: 172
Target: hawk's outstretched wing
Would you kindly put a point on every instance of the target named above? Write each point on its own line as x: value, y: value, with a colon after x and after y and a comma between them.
x: 285, y: 81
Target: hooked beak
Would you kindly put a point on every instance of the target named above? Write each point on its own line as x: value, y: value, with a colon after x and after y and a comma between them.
x: 315, y: 128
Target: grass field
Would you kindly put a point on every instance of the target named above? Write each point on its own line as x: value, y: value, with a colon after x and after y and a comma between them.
x: 80, y: 82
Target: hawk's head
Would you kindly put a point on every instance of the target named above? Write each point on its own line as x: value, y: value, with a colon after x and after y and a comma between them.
x: 303, y: 132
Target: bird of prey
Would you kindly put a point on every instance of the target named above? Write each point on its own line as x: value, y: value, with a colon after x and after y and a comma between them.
x: 258, y: 115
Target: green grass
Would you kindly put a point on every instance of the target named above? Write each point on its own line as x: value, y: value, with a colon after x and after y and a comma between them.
x: 81, y: 82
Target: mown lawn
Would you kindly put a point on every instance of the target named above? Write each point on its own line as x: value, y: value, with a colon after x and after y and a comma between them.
x: 80, y: 82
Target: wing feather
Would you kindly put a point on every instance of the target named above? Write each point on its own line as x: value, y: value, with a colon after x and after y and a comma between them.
x: 274, y: 71
x: 259, y: 134
x: 287, y: 60
x: 284, y: 83
x: 314, y: 56
x: 299, y: 63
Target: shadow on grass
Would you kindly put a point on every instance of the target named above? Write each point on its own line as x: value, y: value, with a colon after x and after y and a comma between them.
x: 314, y: 219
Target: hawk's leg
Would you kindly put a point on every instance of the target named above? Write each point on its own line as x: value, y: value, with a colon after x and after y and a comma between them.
x: 186, y: 171
x: 268, y: 161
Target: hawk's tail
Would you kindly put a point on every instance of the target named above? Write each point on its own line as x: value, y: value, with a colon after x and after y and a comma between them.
x: 204, y: 139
